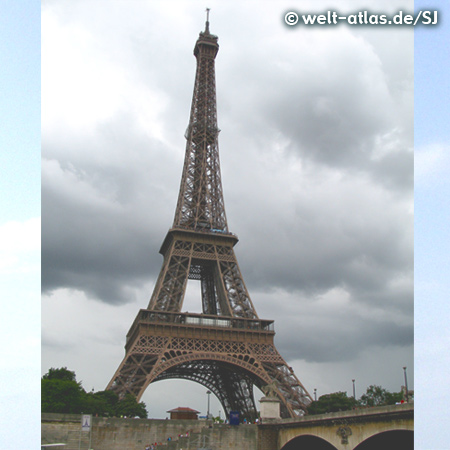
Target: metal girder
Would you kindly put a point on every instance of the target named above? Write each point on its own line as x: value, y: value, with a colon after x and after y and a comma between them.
x: 214, y: 263
x: 227, y: 361
x: 200, y: 201
x: 233, y: 388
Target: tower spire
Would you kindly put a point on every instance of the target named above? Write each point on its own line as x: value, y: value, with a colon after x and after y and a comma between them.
x: 200, y: 204
x: 207, y: 21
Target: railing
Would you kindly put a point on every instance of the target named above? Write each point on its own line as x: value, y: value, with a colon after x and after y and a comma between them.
x: 203, y: 320
x: 204, y: 229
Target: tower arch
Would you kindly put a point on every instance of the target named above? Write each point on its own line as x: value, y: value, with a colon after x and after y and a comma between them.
x: 232, y: 382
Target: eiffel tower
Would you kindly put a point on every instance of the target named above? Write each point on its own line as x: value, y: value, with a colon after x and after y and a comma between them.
x: 227, y: 348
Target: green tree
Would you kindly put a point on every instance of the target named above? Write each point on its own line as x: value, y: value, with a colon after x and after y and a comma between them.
x: 61, y: 393
x: 374, y: 396
x: 61, y: 396
x: 378, y: 396
x: 129, y: 407
x: 100, y: 404
x: 60, y: 374
x: 394, y: 397
x: 108, y: 400
x: 337, y: 401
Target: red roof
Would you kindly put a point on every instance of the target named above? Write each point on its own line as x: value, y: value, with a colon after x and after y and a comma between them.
x: 183, y: 409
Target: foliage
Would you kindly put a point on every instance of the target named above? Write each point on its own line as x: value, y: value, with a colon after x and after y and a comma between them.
x: 61, y: 396
x: 61, y: 393
x: 129, y: 407
x: 337, y: 401
x: 378, y: 396
x: 60, y: 374
x: 100, y: 404
x: 394, y: 397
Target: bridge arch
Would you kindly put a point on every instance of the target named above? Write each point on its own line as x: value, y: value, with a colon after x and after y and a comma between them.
x: 308, y: 442
x: 363, y: 429
x: 398, y: 439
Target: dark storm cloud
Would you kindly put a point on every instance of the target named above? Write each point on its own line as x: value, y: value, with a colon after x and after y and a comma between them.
x: 341, y: 227
x: 334, y: 326
x: 339, y: 104
x: 329, y: 192
x: 338, y: 343
x: 103, y: 220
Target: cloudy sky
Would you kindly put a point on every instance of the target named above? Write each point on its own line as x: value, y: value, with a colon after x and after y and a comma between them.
x: 316, y: 153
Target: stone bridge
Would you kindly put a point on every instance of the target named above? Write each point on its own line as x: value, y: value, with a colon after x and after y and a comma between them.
x: 389, y: 427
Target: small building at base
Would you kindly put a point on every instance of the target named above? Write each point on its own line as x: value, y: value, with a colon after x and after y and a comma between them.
x: 182, y: 413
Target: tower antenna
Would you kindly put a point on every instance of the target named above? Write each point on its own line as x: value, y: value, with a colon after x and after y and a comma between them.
x: 207, y: 20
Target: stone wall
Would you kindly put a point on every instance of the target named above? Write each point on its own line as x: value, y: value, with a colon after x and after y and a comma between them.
x: 136, y: 434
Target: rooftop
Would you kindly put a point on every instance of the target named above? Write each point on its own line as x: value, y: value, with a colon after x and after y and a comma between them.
x: 183, y: 409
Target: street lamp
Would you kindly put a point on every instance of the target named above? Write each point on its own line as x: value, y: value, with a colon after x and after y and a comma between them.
x: 208, y: 393
x: 354, y: 395
x: 406, y: 385
x: 315, y: 394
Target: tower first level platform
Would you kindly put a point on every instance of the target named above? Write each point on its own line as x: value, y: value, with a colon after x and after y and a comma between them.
x: 228, y: 355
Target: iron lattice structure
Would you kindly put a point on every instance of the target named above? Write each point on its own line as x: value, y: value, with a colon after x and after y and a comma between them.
x: 226, y: 348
